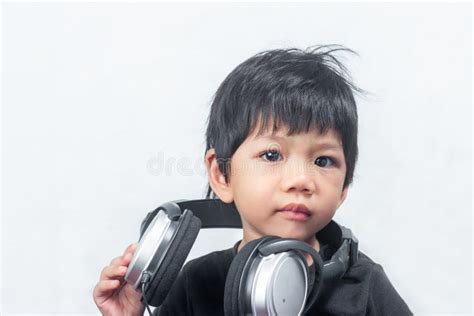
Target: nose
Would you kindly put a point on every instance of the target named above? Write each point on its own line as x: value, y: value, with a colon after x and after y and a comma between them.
x: 298, y: 178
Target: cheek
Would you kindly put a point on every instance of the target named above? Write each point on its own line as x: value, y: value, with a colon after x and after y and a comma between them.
x: 251, y: 188
x: 332, y: 199
x: 253, y: 177
x: 253, y: 193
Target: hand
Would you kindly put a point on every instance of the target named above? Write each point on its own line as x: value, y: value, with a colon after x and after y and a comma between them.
x: 112, y: 294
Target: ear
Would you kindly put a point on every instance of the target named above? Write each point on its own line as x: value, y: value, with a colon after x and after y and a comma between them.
x: 343, y: 196
x: 216, y: 179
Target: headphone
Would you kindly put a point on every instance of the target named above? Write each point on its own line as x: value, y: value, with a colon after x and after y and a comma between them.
x: 269, y: 275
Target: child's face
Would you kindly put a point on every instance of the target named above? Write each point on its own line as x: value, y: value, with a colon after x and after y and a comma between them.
x: 269, y: 172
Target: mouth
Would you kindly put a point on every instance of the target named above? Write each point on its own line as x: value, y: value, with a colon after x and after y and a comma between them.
x: 294, y: 211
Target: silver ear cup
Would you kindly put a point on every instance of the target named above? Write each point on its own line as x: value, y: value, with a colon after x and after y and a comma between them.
x: 152, y: 247
x: 279, y: 285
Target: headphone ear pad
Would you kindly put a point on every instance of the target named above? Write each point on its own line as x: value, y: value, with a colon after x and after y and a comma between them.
x: 167, y: 272
x: 234, y: 275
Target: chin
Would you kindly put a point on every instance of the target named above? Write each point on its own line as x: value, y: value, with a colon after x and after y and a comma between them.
x: 300, y: 235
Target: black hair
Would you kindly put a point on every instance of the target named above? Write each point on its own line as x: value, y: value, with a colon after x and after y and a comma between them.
x: 303, y: 89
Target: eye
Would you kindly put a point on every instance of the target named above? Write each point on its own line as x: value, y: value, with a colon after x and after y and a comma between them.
x: 271, y: 155
x: 324, y: 161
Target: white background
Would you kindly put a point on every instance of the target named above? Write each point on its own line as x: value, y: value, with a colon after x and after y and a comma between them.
x: 97, y: 98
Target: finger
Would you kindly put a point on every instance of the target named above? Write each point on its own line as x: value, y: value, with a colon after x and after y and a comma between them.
x: 121, y: 260
x: 116, y: 261
x: 113, y: 272
x: 127, y: 258
x: 130, y: 248
x: 104, y: 289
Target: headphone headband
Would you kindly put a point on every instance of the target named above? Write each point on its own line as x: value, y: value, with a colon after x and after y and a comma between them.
x: 213, y: 213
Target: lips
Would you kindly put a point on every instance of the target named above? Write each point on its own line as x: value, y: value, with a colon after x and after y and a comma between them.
x: 296, y: 208
x: 295, y: 212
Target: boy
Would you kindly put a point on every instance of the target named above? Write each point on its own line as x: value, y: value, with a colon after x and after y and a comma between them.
x: 282, y: 131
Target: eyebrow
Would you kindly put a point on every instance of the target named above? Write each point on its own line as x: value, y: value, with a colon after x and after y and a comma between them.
x: 322, y: 145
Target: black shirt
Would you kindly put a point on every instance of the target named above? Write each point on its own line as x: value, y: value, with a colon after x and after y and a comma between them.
x: 363, y: 290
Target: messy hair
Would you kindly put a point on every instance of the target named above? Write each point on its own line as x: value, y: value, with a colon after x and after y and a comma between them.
x: 301, y: 89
